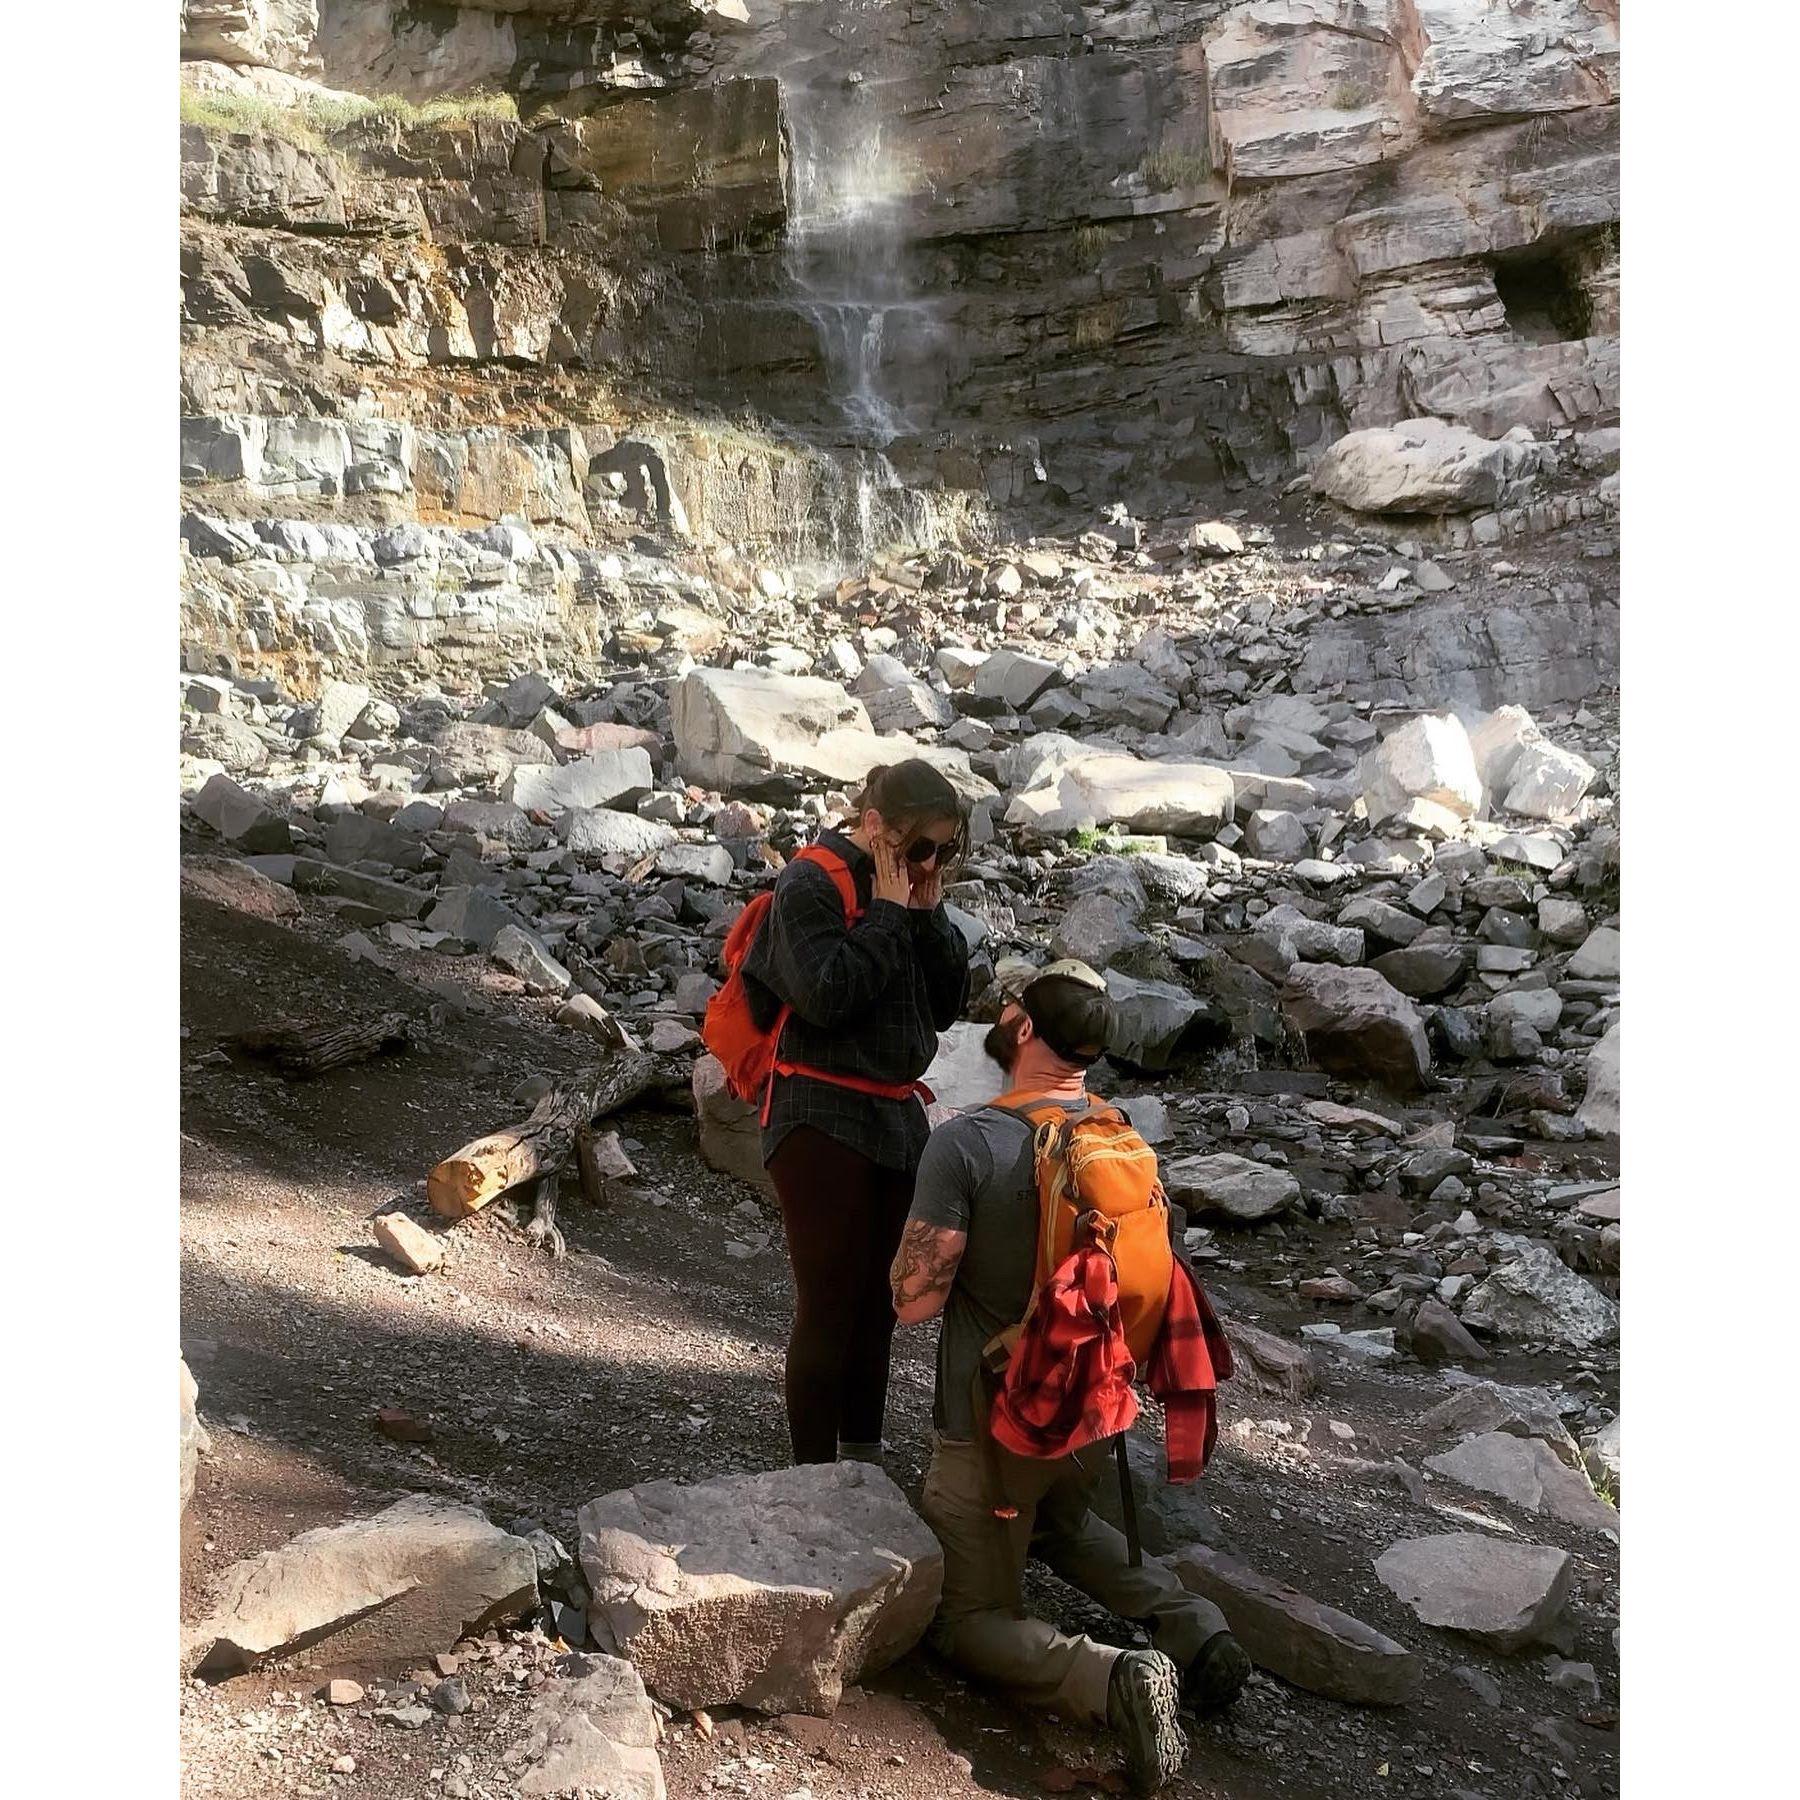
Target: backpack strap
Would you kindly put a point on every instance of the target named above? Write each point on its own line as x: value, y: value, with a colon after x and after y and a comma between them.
x: 841, y: 878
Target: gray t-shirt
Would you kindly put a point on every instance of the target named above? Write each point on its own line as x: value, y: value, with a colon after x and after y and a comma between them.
x: 976, y: 1176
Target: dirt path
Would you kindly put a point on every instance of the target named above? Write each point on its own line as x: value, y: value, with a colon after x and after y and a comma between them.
x: 649, y: 1352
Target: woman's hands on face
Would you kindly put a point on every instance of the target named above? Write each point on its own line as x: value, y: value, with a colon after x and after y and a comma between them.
x: 927, y: 888
x: 892, y: 881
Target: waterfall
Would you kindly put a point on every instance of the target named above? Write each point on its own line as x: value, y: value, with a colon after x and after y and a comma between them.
x: 846, y: 250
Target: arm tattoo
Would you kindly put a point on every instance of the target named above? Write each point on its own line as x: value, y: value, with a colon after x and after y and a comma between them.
x: 926, y: 1262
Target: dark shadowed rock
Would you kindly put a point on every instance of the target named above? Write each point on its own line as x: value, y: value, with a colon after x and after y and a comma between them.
x: 1314, y: 1646
x: 1355, y: 1023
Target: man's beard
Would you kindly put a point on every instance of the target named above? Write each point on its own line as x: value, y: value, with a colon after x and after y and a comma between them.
x: 1002, y: 1044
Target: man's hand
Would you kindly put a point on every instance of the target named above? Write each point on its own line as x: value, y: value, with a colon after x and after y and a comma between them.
x: 924, y: 1267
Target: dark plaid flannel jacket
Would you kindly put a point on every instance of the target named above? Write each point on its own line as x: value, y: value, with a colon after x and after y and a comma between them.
x: 868, y: 1001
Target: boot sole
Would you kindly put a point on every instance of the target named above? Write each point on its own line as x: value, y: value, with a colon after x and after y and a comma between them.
x: 1156, y: 1747
x: 1225, y: 1678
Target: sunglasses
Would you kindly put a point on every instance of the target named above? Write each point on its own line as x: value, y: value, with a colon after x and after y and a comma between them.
x: 925, y: 850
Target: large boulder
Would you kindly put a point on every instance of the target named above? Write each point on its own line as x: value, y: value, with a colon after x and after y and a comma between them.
x: 962, y: 1074
x: 1535, y: 1296
x: 592, y: 1731
x: 1418, y: 466
x: 386, y: 1590
x: 613, y: 839
x: 1301, y: 939
x: 1598, y: 957
x: 738, y: 730
x: 772, y: 1591
x: 229, y: 742
x: 1014, y: 678
x: 1428, y: 758
x: 734, y: 727
x: 1180, y: 798
x: 194, y: 1440
x: 228, y: 882
x: 1095, y: 929
x: 1230, y: 1187
x: 524, y: 954
x: 601, y: 778
x: 1314, y: 1646
x: 1497, y: 740
x: 1529, y: 1474
x: 1358, y: 1024
x: 1510, y: 1596
x: 1548, y: 782
x: 241, y: 818
x: 339, y: 706
x: 730, y: 1135
x: 1599, y: 1112
x: 1155, y: 1022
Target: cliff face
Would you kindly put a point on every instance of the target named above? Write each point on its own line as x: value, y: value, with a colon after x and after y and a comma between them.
x: 1018, y: 253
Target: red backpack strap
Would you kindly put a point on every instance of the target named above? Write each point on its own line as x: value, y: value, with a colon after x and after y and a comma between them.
x: 839, y: 871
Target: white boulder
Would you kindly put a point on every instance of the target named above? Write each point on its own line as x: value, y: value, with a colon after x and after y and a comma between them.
x: 1535, y: 1296
x: 1181, y: 798
x: 1428, y: 758
x: 601, y: 778
x: 1599, y: 1111
x: 1548, y: 782
x: 1418, y: 466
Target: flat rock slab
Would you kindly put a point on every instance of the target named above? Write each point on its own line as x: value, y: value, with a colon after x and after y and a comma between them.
x: 1510, y: 1596
x: 381, y: 1591
x: 1230, y: 1187
x: 594, y: 1731
x: 1316, y: 1647
x: 228, y: 882
x: 771, y: 1591
x: 1529, y: 1473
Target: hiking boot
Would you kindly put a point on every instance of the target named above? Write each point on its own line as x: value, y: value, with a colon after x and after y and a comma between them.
x: 1141, y: 1707
x: 1216, y: 1676
x: 875, y: 1454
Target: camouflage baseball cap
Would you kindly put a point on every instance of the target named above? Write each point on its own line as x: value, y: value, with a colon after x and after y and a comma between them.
x: 1015, y: 974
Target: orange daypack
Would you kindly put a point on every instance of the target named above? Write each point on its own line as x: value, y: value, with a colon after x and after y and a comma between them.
x: 1098, y: 1180
x: 730, y: 1031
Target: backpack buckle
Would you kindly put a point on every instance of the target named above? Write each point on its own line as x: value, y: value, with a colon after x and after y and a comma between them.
x: 1102, y: 1230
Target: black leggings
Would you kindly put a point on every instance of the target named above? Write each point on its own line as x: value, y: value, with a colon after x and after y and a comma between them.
x: 843, y: 1215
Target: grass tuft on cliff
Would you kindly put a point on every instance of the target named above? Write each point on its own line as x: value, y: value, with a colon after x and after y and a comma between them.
x: 1170, y: 167
x: 309, y: 121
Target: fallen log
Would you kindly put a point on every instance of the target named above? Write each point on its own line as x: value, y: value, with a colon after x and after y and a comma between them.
x: 299, y: 1049
x: 479, y: 1172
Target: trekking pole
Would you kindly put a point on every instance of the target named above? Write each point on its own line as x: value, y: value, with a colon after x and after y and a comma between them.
x: 1128, y: 1504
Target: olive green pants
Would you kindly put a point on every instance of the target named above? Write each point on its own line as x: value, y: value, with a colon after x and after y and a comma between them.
x: 981, y: 1626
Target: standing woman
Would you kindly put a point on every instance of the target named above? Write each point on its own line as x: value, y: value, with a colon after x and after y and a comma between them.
x: 842, y: 1130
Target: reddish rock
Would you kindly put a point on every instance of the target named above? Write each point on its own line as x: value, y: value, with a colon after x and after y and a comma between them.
x: 580, y: 740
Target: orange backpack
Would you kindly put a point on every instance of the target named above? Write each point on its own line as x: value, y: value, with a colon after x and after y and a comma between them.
x: 1098, y: 1181
x: 730, y: 1031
